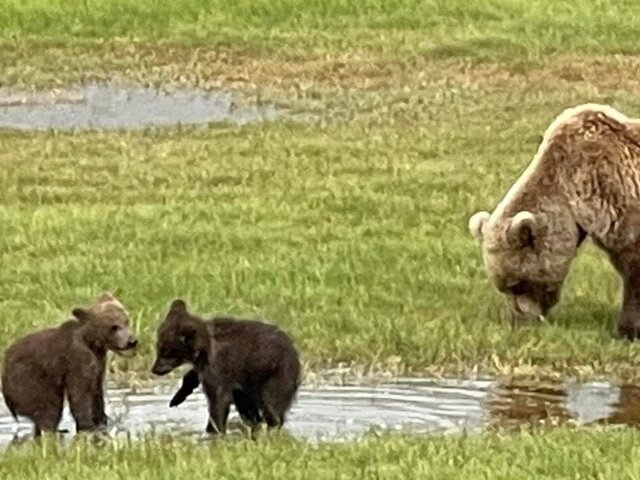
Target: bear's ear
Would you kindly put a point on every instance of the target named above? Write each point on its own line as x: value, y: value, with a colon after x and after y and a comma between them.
x: 611, y: 121
x: 106, y: 297
x: 522, y: 230
x: 477, y: 222
x: 178, y: 306
x: 82, y: 314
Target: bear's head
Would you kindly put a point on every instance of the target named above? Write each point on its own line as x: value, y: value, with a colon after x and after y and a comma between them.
x: 105, y: 326
x: 527, y: 256
x: 182, y: 338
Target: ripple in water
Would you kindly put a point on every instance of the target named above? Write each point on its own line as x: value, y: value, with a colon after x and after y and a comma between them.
x: 346, y: 412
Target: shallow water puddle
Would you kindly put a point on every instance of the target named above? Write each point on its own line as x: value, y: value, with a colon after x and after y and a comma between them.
x: 345, y: 412
x: 108, y: 107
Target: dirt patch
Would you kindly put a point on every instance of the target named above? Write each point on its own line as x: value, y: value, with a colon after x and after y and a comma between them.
x: 223, y: 66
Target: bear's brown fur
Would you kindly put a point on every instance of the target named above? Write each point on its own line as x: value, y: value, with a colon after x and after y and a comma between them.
x: 584, y: 181
x: 246, y: 362
x: 41, y: 367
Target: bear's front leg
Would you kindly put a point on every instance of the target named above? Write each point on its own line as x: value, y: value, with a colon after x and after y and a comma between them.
x: 87, y: 409
x: 190, y: 382
x: 629, y: 322
x: 100, y: 418
x: 219, y: 406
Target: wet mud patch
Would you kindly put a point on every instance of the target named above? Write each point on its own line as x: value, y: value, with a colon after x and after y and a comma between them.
x: 346, y: 412
x: 114, y: 107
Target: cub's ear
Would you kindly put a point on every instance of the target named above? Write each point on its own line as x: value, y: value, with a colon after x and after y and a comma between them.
x: 178, y: 306
x: 106, y: 297
x: 523, y: 230
x: 82, y: 314
x: 477, y: 222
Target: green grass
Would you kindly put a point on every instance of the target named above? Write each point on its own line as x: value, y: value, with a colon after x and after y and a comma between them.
x: 352, y: 237
x: 576, y: 454
x: 488, y: 28
x: 349, y: 232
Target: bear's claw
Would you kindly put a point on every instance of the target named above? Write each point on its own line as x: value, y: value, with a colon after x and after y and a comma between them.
x: 177, y: 400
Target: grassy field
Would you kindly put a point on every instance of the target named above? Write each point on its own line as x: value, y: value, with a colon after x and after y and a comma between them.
x: 348, y: 231
x: 437, y: 28
x: 576, y: 454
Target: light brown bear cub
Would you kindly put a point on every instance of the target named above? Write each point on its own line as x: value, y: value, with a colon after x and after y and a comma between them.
x: 40, y: 368
x: 583, y: 182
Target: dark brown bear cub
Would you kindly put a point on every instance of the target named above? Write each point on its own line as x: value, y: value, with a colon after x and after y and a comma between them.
x: 40, y: 368
x: 246, y: 362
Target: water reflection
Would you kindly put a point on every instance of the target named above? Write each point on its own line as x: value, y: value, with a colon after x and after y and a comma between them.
x: 346, y: 412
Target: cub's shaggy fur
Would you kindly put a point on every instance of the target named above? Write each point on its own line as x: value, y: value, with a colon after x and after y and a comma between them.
x: 246, y: 362
x: 42, y: 367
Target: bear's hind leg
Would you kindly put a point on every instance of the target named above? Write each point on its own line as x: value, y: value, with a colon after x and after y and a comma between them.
x: 629, y: 322
x: 277, y: 396
x: 247, y: 407
x: 47, y: 420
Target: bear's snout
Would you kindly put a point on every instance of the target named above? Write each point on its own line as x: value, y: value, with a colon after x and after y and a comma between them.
x: 125, y: 344
x: 130, y: 347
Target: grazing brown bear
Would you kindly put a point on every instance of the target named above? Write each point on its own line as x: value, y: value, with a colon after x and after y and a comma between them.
x: 584, y: 181
x: 40, y: 368
x: 246, y: 362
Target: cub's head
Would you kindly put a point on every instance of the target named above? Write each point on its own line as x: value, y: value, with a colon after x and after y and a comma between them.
x: 105, y: 325
x: 181, y: 338
x: 527, y: 257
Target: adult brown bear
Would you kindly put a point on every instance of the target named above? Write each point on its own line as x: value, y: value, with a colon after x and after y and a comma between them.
x: 583, y: 181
